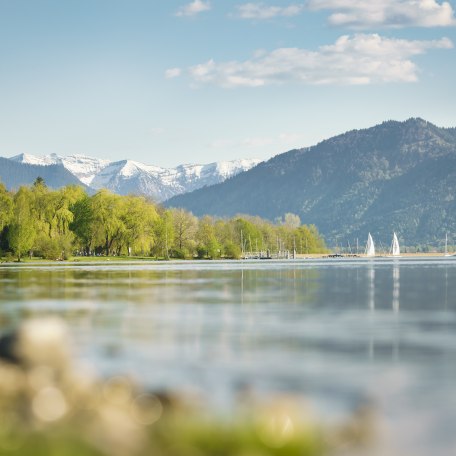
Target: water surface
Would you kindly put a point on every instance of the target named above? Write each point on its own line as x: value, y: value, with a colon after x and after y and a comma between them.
x: 339, y: 332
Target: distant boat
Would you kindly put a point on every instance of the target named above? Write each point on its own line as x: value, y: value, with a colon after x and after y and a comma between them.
x: 395, y: 249
x: 370, y: 247
x: 446, y: 245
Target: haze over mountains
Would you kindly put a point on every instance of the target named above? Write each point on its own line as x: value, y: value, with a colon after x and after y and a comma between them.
x: 397, y: 176
x: 123, y: 177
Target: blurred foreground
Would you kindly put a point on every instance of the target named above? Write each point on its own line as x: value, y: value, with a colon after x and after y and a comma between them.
x: 50, y: 406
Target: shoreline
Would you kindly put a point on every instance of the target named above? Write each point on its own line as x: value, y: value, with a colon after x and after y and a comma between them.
x: 310, y: 256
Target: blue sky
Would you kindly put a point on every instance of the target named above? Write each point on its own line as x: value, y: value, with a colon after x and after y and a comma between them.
x: 194, y: 81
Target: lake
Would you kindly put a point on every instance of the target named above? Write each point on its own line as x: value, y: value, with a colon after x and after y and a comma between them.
x: 340, y: 332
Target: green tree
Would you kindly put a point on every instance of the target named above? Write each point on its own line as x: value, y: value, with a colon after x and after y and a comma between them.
x: 208, y: 244
x: 138, y: 217
x: 248, y: 235
x: 232, y: 250
x: 107, y: 224
x: 308, y: 240
x: 39, y: 182
x: 83, y: 223
x: 53, y: 217
x: 22, y: 232
x: 185, y: 226
x: 6, y: 207
x: 164, y: 234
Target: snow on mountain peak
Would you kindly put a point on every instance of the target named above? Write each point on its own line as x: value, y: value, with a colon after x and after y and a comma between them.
x: 29, y: 159
x: 84, y: 168
x: 129, y: 176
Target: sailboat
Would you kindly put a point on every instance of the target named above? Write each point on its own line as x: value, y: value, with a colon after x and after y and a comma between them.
x: 446, y: 245
x: 370, y: 247
x: 395, y: 249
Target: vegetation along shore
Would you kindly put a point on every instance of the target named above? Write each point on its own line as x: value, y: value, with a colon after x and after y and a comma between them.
x: 37, y: 221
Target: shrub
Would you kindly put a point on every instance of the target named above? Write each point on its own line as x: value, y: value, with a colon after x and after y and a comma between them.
x: 180, y: 254
x: 201, y: 251
x: 232, y: 250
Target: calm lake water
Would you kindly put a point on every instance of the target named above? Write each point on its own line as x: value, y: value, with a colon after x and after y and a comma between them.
x: 339, y: 332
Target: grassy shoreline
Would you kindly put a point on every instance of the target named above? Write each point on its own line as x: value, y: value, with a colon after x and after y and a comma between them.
x: 126, y: 259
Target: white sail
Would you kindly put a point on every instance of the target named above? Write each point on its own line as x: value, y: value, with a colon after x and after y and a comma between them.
x: 446, y: 245
x: 395, y: 249
x: 370, y: 247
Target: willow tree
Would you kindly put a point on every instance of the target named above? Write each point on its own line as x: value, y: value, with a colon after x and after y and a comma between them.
x: 82, y: 224
x: 22, y: 231
x: 53, y: 216
x: 138, y: 217
x: 6, y: 207
x: 107, y: 224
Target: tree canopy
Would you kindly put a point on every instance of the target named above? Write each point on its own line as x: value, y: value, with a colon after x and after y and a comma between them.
x: 55, y: 224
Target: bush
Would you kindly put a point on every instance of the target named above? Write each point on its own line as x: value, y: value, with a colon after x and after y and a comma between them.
x: 232, y: 250
x: 50, y: 249
x: 180, y: 254
x: 8, y: 256
x: 201, y: 251
x: 58, y: 247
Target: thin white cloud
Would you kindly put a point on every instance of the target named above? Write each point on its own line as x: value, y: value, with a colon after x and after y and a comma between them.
x: 351, y: 60
x: 363, y: 14
x: 173, y: 73
x: 194, y: 8
x: 260, y: 11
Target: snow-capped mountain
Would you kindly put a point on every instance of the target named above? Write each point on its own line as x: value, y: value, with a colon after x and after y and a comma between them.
x: 131, y: 177
x: 84, y: 168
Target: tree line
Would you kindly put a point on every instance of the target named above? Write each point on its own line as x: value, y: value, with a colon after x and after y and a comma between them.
x: 57, y: 224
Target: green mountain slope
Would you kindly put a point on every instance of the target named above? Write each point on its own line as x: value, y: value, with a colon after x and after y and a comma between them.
x: 394, y: 176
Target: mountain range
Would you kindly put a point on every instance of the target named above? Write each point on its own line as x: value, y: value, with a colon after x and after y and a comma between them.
x: 123, y: 177
x: 395, y: 176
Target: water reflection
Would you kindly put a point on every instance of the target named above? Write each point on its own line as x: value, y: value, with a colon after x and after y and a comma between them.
x: 371, y: 304
x: 396, y: 286
x: 371, y: 285
x: 330, y: 330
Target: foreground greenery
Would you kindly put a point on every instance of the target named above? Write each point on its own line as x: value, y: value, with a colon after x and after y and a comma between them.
x: 51, y: 406
x: 55, y: 224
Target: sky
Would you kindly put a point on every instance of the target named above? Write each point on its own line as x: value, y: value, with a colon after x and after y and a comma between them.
x: 167, y: 82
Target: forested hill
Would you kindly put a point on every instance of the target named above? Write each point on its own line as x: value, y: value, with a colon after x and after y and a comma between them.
x: 397, y: 176
x: 13, y: 174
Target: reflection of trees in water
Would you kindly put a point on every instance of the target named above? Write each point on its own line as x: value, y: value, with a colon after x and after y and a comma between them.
x: 280, y: 286
x: 176, y: 309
